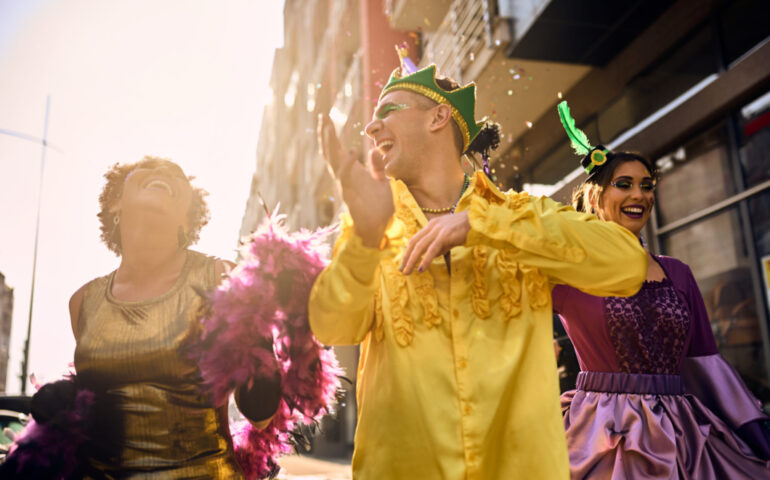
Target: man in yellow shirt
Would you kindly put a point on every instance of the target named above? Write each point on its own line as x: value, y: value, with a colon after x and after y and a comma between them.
x: 445, y: 281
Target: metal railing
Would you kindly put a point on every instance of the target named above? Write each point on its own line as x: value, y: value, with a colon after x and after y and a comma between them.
x: 464, y: 31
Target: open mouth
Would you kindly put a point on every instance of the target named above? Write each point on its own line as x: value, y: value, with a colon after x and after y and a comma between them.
x: 633, y: 211
x: 158, y: 184
x: 385, y: 146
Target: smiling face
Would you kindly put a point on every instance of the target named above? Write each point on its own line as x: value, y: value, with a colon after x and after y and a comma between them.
x: 629, y: 197
x: 151, y: 186
x: 399, y: 128
x: 160, y: 187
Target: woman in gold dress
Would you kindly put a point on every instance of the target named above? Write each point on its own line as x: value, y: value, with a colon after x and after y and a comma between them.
x: 131, y: 326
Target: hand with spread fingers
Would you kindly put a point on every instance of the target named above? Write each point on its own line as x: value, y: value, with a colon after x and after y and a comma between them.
x: 369, y: 199
x: 437, y: 238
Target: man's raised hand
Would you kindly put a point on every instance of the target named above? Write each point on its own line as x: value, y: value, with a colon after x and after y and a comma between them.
x: 369, y: 200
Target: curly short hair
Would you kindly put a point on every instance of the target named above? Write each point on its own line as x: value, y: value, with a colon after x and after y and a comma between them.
x: 598, y: 183
x: 198, y: 215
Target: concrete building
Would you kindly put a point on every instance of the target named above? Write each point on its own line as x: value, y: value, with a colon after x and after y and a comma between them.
x: 335, y: 54
x: 6, y: 314
x: 685, y: 82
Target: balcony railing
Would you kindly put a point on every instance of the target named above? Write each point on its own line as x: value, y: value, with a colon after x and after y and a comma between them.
x: 466, y: 29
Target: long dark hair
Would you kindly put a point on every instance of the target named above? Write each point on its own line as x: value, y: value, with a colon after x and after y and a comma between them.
x: 595, y: 185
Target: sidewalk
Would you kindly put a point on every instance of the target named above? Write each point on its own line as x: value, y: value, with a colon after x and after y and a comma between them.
x: 296, y: 467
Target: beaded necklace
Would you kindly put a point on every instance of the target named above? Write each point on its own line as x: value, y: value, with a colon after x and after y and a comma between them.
x: 451, y: 208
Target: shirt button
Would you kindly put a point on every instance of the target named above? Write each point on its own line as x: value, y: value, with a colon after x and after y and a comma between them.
x: 455, y: 312
x: 462, y: 363
x: 467, y: 409
x: 472, y: 458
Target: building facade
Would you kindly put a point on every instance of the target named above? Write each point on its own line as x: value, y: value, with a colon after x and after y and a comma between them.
x: 691, y: 90
x: 335, y: 54
x: 685, y: 82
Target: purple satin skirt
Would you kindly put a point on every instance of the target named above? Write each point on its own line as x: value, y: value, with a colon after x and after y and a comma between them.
x: 639, y: 426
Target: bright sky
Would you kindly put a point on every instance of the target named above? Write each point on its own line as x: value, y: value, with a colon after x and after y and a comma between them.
x: 183, y: 79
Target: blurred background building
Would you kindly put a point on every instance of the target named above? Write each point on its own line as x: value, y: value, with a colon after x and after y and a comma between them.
x: 685, y: 82
x: 6, y: 314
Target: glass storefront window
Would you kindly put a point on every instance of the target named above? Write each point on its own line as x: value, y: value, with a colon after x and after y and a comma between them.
x: 695, y: 176
x: 759, y: 209
x: 759, y: 206
x: 755, y: 141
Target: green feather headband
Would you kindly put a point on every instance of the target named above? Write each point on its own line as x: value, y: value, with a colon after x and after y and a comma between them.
x: 593, y: 157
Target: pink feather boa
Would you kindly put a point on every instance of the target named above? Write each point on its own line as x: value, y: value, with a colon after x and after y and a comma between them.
x: 259, y: 316
x: 51, y: 449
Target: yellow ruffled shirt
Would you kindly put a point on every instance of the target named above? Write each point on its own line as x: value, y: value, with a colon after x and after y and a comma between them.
x: 457, y: 376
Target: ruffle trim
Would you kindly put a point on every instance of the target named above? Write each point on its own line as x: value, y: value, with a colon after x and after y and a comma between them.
x: 397, y: 285
x: 511, y: 275
x: 426, y: 292
x: 403, y: 327
x: 537, y: 287
x: 479, y: 290
x: 510, y: 300
x: 514, y: 279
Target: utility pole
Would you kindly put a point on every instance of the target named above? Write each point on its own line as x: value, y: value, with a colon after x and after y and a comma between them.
x: 44, y: 142
x: 25, y: 360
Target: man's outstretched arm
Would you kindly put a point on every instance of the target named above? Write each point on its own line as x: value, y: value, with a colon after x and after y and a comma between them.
x: 600, y: 258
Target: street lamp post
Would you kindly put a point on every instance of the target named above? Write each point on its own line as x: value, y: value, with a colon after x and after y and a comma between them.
x: 44, y: 142
x: 25, y: 361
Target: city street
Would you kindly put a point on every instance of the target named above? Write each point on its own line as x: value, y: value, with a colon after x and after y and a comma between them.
x: 296, y: 467
x: 422, y: 230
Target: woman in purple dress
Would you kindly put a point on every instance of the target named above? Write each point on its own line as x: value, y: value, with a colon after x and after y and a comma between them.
x: 654, y: 398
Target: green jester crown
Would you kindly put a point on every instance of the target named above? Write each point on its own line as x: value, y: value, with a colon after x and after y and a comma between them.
x: 462, y: 100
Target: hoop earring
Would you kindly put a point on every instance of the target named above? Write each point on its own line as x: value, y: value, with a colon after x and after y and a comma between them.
x: 115, y: 234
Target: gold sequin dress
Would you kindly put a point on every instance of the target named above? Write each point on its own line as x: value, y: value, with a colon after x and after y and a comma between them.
x: 132, y: 351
